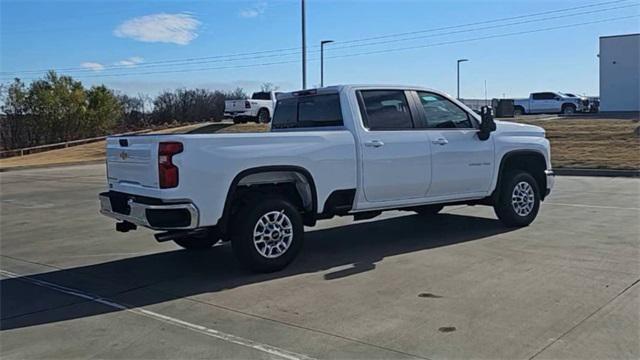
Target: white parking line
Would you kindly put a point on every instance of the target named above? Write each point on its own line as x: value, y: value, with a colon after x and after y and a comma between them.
x: 281, y: 353
x: 594, y: 206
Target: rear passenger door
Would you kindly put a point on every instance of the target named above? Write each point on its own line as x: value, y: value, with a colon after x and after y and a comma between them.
x: 396, y: 162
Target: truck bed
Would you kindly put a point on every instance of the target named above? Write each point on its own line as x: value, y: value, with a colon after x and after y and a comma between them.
x: 209, y: 163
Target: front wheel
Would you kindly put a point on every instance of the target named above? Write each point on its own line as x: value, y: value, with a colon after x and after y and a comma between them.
x: 519, y: 199
x: 569, y: 110
x: 268, y: 234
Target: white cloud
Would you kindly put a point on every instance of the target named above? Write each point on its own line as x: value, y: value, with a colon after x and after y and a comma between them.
x: 167, y: 28
x: 130, y: 62
x: 253, y: 11
x: 92, y: 66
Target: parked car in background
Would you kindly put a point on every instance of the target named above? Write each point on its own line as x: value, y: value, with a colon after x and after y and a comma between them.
x: 340, y: 150
x: 589, y: 104
x: 259, y: 108
x: 548, y: 103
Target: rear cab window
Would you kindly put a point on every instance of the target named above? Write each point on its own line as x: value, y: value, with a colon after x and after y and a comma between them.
x: 385, y: 110
x: 308, y: 111
x: 261, y: 96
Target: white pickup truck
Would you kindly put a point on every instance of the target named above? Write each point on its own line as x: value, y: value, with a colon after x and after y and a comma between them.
x: 340, y: 150
x: 549, y: 103
x: 259, y: 108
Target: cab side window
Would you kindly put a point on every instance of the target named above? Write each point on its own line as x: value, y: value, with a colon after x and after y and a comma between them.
x: 543, y: 96
x: 441, y: 113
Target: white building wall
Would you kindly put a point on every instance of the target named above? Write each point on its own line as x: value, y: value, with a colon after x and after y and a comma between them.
x: 620, y: 73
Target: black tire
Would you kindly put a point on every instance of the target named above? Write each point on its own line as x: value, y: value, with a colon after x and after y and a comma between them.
x: 196, y: 242
x: 242, y: 234
x: 517, y: 111
x: 428, y: 210
x: 516, y: 209
x: 263, y: 117
x: 568, y: 110
x: 236, y: 120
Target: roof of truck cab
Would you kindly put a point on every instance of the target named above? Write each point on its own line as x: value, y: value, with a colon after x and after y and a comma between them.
x: 347, y: 87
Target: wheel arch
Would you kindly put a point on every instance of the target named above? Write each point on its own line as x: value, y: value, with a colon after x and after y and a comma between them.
x: 269, y: 176
x: 532, y: 161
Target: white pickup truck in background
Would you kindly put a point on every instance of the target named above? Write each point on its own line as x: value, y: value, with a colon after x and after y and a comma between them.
x: 340, y: 150
x: 549, y: 103
x: 259, y: 108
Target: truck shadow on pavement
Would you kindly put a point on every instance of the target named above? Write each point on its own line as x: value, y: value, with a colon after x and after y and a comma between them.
x: 157, y: 278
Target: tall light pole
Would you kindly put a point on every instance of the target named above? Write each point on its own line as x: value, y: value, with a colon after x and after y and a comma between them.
x: 459, y: 61
x: 322, y: 43
x: 304, y: 49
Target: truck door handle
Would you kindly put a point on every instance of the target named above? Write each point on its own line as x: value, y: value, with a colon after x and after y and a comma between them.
x: 440, y: 141
x: 374, y: 143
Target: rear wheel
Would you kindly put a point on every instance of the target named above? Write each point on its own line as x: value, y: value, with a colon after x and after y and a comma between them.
x: 569, y: 110
x: 268, y: 234
x: 518, y: 111
x: 519, y: 199
x: 263, y: 116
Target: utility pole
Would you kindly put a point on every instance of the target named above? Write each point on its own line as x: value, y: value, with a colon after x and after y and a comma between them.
x: 304, y: 49
x: 459, y: 61
x: 322, y: 43
x: 486, y: 101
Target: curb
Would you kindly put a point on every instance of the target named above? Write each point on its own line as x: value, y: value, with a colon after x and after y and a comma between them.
x: 45, y: 166
x: 596, y: 172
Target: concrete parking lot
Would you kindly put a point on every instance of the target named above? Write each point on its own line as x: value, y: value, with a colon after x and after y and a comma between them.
x: 457, y: 285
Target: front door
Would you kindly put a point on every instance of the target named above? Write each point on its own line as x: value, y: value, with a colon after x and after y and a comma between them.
x: 462, y: 164
x: 396, y: 159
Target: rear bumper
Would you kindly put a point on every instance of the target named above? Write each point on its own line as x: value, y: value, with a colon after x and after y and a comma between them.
x: 148, y: 212
x: 243, y: 113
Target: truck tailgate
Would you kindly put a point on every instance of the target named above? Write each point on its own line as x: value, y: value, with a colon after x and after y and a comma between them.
x: 133, y: 160
x: 234, y: 105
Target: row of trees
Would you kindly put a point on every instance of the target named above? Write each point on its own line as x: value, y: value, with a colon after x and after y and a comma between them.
x: 59, y: 108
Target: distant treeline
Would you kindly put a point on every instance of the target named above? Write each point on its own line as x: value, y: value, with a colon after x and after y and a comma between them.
x: 58, y: 109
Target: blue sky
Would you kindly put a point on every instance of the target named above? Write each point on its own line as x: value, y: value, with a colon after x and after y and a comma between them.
x: 148, y: 46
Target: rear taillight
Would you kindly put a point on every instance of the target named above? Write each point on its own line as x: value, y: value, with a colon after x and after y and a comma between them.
x: 247, y: 105
x: 167, y: 171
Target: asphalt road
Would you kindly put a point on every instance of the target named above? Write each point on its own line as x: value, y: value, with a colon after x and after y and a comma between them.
x: 458, y: 285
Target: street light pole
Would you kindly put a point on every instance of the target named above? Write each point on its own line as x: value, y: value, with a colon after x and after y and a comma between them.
x: 322, y: 43
x: 459, y: 61
x: 304, y: 48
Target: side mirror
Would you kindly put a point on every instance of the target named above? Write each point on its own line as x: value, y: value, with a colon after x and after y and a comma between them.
x: 488, y: 125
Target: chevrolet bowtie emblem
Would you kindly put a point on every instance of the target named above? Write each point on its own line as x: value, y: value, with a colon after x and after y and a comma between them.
x: 124, y: 155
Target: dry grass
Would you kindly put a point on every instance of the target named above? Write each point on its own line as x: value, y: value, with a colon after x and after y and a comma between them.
x: 592, y: 142
x: 581, y: 143
x: 244, y: 128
